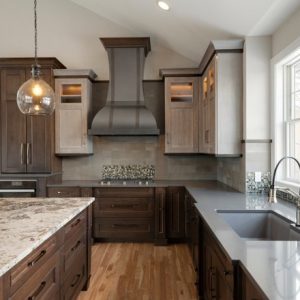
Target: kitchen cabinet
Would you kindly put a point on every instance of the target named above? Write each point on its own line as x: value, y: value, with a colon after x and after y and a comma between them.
x: 175, y: 213
x: 217, y: 269
x: 181, y: 114
x: 123, y: 214
x: 221, y: 105
x: 73, y: 89
x: 193, y: 235
x: 249, y: 289
x: 27, y: 142
x: 57, y: 269
x: 160, y: 216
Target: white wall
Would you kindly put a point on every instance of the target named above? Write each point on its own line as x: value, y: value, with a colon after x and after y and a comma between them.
x: 288, y: 32
x: 71, y: 33
x: 257, y: 55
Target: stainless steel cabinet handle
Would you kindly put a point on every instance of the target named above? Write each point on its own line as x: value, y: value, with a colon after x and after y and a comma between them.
x: 28, y: 154
x: 22, y: 154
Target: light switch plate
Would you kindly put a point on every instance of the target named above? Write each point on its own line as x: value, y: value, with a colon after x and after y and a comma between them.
x: 257, y: 176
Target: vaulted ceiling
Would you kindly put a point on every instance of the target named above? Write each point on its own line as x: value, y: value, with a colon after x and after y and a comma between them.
x: 190, y: 24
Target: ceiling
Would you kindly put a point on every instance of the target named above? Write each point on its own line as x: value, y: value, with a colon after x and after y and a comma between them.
x: 190, y: 24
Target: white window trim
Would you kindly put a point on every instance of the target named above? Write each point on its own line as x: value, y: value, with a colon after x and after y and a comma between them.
x: 277, y: 110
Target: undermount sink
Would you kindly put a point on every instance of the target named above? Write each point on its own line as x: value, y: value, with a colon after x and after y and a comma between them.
x: 261, y: 225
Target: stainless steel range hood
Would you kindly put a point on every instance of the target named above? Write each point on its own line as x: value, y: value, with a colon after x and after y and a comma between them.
x: 125, y: 112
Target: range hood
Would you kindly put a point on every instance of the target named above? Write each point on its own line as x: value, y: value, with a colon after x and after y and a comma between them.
x: 125, y: 112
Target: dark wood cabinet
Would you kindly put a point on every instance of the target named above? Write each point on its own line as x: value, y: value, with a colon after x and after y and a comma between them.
x: 27, y: 142
x: 160, y: 216
x: 57, y: 269
x: 123, y: 214
x: 249, y: 290
x: 217, y: 269
x: 175, y: 213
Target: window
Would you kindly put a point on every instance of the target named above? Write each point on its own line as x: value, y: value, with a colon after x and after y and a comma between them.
x: 292, y: 117
x: 285, y: 116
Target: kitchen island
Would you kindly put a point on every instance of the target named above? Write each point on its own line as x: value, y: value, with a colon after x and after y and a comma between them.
x: 42, y: 238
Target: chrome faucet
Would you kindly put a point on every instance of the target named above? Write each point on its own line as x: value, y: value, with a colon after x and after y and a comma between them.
x: 272, y: 191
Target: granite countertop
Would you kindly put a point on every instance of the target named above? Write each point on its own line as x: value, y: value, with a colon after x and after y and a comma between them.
x: 274, y: 265
x: 25, y: 223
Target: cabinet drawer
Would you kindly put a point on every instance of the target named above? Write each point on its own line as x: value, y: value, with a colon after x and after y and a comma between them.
x: 124, y: 192
x: 76, y: 226
x: 124, y: 229
x: 63, y: 192
x: 43, y: 284
x: 72, y: 248
x: 20, y: 273
x: 75, y: 279
x: 123, y: 207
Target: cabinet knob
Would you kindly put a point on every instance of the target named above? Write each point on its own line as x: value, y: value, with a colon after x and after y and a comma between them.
x: 227, y: 272
x: 59, y: 192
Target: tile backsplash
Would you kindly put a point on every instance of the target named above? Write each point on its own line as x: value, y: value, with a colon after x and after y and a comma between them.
x: 128, y: 172
x: 258, y: 187
x: 141, y: 150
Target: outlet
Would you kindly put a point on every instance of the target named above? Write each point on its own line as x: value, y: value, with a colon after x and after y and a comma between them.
x: 257, y: 176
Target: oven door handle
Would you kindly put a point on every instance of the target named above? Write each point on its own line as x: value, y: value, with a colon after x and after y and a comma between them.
x: 17, y: 191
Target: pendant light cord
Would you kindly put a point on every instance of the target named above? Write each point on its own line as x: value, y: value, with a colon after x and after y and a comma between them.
x: 35, y: 34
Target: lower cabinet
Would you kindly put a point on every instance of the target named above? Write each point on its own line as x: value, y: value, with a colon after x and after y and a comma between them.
x: 58, y: 269
x: 124, y: 214
x: 248, y: 288
x: 175, y: 213
x: 217, y: 270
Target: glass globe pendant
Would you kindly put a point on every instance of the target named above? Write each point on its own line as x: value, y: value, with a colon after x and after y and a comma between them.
x: 35, y: 96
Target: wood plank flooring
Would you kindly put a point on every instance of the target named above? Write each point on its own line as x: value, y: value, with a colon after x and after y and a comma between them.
x: 133, y: 271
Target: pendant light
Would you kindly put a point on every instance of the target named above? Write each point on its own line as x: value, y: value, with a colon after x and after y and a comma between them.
x: 35, y: 96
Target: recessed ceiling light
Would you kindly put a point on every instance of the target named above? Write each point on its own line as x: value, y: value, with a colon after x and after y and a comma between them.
x: 163, y: 5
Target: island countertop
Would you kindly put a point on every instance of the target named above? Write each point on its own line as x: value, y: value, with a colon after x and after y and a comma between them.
x: 25, y: 223
x: 274, y: 265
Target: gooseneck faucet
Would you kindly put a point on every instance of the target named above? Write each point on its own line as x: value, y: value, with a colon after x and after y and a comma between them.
x: 272, y: 191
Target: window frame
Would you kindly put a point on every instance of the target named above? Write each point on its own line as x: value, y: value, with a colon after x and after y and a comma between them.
x: 280, y: 110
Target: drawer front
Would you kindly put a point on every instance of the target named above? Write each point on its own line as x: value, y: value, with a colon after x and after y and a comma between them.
x: 124, y: 229
x: 86, y: 192
x: 72, y: 248
x: 33, y: 262
x: 43, y: 284
x: 76, y: 226
x: 75, y: 279
x: 123, y: 207
x: 63, y: 192
x: 124, y: 192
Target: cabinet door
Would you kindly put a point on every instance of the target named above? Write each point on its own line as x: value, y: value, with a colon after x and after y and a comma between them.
x: 160, y: 216
x: 13, y: 123
x: 181, y: 114
x: 38, y: 146
x: 208, y: 109
x: 175, y: 213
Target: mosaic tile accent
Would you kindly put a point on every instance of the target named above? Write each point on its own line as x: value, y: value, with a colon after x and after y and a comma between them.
x: 286, y: 196
x: 258, y: 187
x: 128, y: 172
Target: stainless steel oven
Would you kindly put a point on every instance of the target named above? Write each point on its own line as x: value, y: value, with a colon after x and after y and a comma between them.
x: 17, y: 188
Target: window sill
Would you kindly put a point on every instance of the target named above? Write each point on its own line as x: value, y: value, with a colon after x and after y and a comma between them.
x: 289, y: 184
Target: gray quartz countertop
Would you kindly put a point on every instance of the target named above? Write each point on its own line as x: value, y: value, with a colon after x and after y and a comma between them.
x: 25, y: 223
x: 155, y: 183
x: 274, y: 265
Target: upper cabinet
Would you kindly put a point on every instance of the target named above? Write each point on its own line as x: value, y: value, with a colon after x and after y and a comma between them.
x: 221, y: 105
x: 73, y: 90
x: 181, y: 114
x: 27, y: 142
x: 203, y: 106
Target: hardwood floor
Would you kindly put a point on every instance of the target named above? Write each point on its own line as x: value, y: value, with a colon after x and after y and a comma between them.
x: 132, y: 271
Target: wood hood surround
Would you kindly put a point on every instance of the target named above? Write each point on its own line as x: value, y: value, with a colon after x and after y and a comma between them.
x: 125, y: 112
